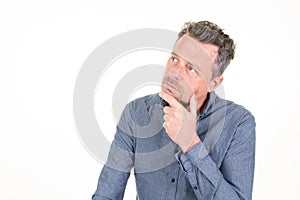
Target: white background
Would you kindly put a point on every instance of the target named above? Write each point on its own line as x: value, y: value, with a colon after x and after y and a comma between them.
x: 44, y: 43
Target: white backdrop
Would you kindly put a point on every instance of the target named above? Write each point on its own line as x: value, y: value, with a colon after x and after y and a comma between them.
x: 43, y: 45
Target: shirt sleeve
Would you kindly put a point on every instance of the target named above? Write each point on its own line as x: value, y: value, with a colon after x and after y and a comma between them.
x: 111, y: 184
x: 115, y: 173
x: 234, y: 178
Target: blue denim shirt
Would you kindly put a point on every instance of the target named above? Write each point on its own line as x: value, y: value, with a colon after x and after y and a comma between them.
x: 221, y: 166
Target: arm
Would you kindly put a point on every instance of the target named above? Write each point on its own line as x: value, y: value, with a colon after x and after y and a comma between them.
x: 114, y: 175
x: 111, y: 184
x: 234, y: 179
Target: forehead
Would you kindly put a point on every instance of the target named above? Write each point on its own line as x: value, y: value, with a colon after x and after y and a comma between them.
x: 195, y: 52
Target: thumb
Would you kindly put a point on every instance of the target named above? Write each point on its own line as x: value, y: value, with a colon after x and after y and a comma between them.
x: 193, y: 105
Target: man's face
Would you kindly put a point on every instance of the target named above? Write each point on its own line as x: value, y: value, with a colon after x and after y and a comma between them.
x: 189, y: 70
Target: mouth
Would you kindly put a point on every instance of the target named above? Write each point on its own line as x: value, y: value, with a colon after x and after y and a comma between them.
x: 170, y: 88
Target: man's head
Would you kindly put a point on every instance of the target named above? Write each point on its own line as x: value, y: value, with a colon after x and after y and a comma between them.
x: 210, y: 33
x: 199, y: 57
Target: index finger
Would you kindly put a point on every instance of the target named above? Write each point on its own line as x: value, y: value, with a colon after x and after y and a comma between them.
x: 170, y: 99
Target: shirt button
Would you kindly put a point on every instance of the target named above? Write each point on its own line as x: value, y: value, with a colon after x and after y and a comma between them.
x: 195, y: 188
x: 173, y: 180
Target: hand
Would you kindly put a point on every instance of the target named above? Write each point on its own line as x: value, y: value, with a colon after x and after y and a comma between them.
x: 180, y: 124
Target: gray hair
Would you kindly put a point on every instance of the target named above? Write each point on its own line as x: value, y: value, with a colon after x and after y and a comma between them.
x: 208, y: 32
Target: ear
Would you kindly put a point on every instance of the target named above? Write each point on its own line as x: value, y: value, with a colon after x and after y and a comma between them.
x: 215, y: 83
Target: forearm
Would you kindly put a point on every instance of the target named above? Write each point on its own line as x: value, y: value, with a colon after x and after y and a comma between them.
x: 115, y: 173
x: 212, y: 182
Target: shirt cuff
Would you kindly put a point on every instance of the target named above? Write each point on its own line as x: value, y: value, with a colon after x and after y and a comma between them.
x: 192, y: 157
x: 198, y: 157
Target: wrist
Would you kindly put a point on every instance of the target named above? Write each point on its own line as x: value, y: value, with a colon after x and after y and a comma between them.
x: 195, y: 141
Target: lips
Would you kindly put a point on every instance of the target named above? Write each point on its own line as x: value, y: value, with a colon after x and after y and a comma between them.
x: 170, y: 87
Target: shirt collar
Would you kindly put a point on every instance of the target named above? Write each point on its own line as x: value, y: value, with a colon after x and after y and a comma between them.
x: 208, y: 103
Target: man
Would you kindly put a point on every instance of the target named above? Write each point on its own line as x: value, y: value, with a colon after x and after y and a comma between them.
x: 185, y: 142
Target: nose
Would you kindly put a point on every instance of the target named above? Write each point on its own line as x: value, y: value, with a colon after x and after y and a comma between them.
x: 175, y: 71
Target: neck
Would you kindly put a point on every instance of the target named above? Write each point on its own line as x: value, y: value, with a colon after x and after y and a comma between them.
x: 202, y: 103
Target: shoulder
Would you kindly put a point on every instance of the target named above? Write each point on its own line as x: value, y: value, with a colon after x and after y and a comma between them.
x: 143, y: 103
x: 239, y: 119
x: 234, y: 109
x: 236, y: 117
x: 138, y: 110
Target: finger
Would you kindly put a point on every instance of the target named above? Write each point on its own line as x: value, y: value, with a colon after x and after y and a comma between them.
x: 168, y: 98
x: 168, y: 129
x: 166, y: 118
x: 169, y: 110
x: 166, y: 125
x: 170, y: 117
x: 193, y: 105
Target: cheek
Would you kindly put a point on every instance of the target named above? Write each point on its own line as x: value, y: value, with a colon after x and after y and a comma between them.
x: 166, y: 73
x: 199, y: 87
x: 169, y: 66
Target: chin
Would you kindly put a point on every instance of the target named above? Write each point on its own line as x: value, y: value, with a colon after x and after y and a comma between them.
x: 170, y: 93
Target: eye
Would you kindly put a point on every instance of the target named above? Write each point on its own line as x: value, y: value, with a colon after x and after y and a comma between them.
x: 190, y: 68
x: 174, y: 59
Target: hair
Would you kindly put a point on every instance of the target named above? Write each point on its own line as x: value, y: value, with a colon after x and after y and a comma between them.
x: 208, y: 32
